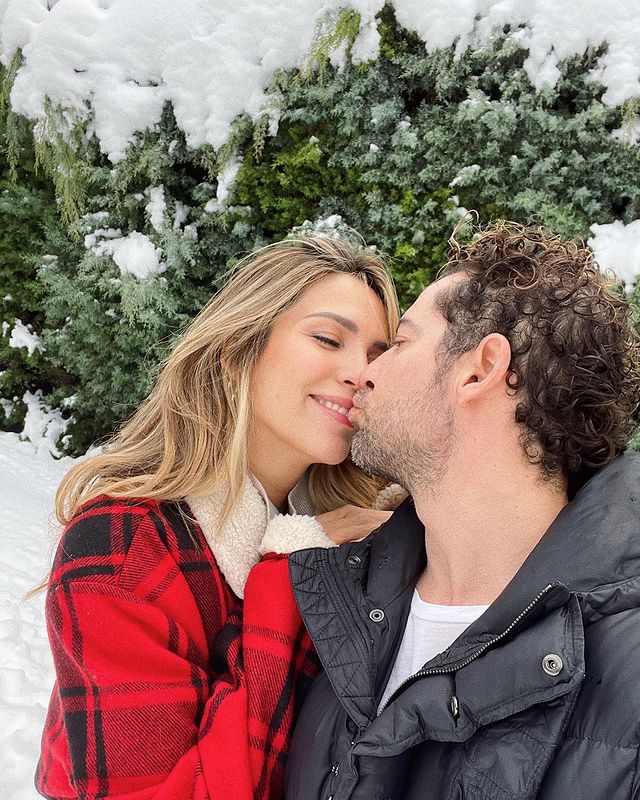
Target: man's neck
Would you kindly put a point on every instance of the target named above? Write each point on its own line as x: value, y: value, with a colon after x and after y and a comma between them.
x: 480, y: 530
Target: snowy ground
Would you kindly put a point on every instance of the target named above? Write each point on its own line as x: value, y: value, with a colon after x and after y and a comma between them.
x: 28, y: 484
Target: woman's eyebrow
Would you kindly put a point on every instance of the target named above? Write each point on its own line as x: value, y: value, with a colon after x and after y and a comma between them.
x: 349, y: 324
x: 346, y: 323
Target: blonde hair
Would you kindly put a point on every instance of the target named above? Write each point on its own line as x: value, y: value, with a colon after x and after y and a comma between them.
x: 190, y: 434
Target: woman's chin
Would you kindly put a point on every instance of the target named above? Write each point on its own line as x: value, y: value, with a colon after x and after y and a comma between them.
x: 333, y: 458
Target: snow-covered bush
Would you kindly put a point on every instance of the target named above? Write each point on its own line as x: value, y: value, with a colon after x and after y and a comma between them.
x: 27, y: 210
x: 150, y: 256
x: 398, y: 146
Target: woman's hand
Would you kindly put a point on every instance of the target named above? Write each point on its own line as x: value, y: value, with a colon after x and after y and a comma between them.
x: 351, y: 523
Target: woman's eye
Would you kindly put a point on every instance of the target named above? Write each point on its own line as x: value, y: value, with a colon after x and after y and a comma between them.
x: 326, y: 340
x: 398, y: 342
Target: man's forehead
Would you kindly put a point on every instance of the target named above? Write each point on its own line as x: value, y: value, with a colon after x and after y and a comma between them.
x: 424, y: 307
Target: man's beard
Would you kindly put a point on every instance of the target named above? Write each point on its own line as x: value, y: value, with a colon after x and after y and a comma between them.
x: 390, y: 445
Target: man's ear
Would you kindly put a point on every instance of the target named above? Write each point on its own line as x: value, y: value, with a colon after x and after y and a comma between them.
x: 485, y: 368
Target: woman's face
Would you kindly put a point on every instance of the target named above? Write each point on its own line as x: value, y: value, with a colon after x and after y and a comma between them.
x: 303, y: 383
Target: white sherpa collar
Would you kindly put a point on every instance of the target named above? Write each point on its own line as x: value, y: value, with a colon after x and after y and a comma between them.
x: 249, y: 533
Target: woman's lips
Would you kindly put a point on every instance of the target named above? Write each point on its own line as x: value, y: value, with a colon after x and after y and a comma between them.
x: 325, y: 405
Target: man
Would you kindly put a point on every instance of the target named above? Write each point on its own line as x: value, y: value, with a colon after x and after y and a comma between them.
x: 484, y: 643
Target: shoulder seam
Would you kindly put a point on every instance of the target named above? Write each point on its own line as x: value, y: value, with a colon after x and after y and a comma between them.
x: 147, y: 513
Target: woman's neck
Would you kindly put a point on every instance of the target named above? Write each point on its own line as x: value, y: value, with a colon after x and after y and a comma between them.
x: 276, y: 474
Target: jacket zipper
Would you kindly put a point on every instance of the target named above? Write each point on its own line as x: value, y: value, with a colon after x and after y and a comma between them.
x: 459, y: 665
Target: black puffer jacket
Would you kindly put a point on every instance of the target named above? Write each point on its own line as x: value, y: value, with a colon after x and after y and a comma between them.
x: 539, y: 698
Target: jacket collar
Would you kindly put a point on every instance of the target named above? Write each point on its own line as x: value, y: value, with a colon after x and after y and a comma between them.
x: 590, y: 552
x: 337, y: 589
x: 234, y: 544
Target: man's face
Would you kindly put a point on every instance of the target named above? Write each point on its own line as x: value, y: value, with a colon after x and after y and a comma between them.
x: 403, y: 414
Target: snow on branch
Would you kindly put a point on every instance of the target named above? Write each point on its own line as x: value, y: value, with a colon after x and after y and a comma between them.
x: 116, y: 64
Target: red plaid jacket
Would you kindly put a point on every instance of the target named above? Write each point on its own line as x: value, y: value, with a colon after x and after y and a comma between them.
x: 168, y: 686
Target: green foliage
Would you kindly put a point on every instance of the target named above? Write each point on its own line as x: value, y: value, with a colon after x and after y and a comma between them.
x: 398, y: 147
x: 11, y: 123
x: 284, y: 186
x: 108, y: 331
x: 331, y: 35
x: 27, y: 210
x: 62, y: 150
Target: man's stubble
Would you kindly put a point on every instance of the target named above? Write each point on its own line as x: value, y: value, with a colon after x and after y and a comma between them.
x: 406, y: 443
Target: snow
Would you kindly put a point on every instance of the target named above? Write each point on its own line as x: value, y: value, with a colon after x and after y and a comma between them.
x: 95, y: 240
x: 629, y: 133
x: 134, y: 254
x: 331, y: 227
x: 23, y: 336
x: 616, y: 246
x: 156, y: 206
x: 27, y: 537
x: 137, y: 255
x: 7, y: 406
x: 225, y: 179
x: 43, y: 426
x: 213, y: 61
x: 550, y: 30
x: 181, y: 215
x: 466, y: 175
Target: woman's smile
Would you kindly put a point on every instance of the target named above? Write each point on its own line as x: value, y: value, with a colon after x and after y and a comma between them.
x: 335, y: 407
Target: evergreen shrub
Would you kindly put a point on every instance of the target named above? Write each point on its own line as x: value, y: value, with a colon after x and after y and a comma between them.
x: 28, y: 210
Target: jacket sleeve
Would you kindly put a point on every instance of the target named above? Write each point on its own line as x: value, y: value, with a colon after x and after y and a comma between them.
x: 145, y: 706
x: 635, y: 788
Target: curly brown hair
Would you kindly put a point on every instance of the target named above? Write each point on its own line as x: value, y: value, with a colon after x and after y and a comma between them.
x: 575, y: 360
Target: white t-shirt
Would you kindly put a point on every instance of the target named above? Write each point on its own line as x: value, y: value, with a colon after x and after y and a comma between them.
x: 430, y: 629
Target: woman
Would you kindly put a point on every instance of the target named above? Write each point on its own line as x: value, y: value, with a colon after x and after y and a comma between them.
x: 179, y: 652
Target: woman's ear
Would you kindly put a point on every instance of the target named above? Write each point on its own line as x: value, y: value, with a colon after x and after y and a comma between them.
x: 485, y: 368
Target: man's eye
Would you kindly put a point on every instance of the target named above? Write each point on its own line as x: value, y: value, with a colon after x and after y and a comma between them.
x: 398, y: 342
x: 326, y: 340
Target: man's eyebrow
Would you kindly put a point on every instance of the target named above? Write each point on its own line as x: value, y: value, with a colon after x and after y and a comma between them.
x: 408, y: 323
x: 349, y: 324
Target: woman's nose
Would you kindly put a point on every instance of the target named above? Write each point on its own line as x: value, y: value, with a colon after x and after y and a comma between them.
x: 353, y: 367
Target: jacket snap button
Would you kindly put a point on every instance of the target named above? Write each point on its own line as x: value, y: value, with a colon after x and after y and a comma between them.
x: 354, y: 560
x: 552, y: 664
x: 335, y: 769
x: 376, y: 615
x: 454, y: 706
